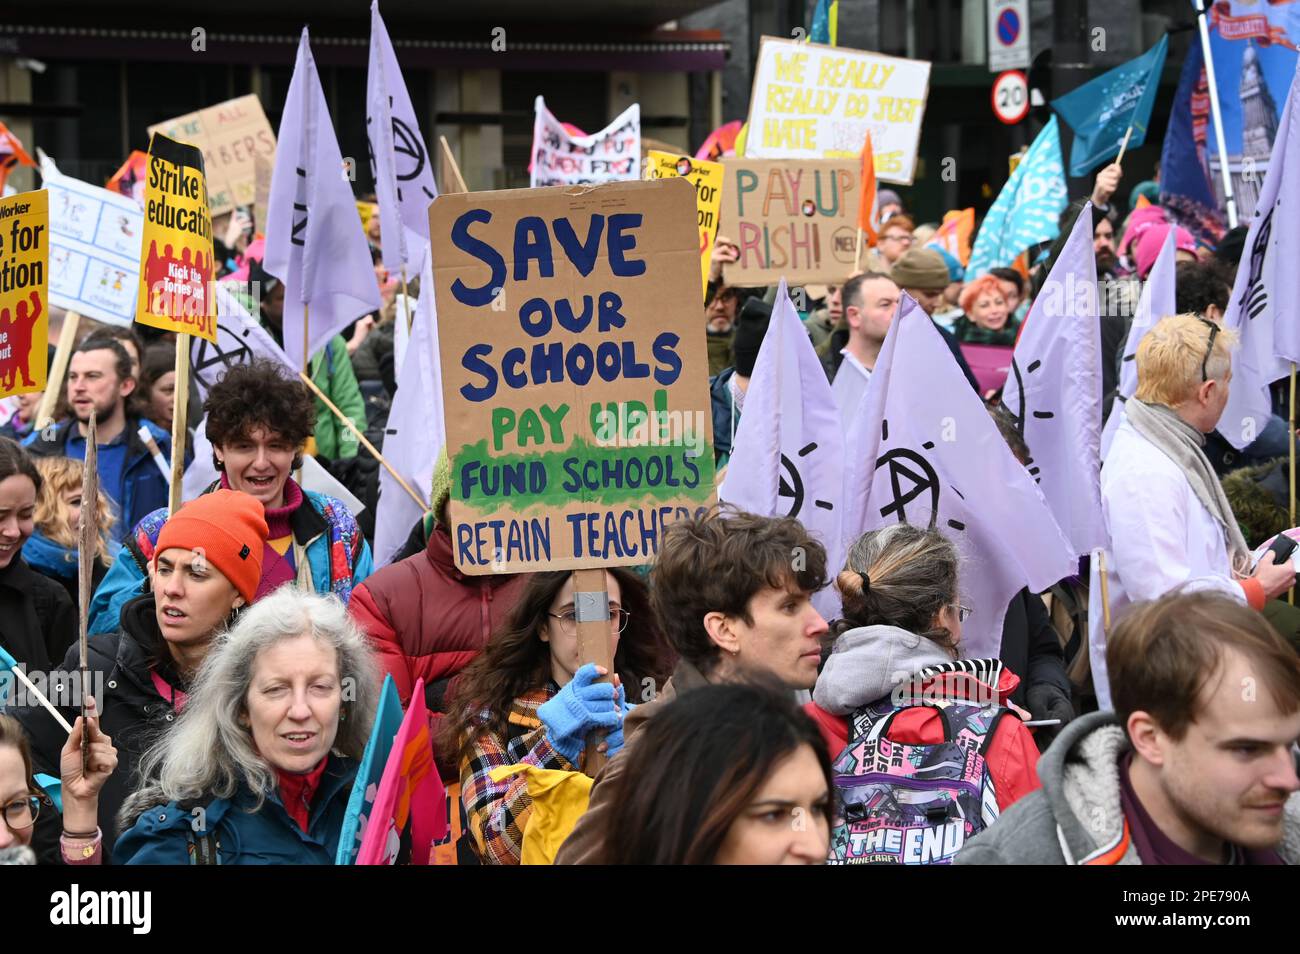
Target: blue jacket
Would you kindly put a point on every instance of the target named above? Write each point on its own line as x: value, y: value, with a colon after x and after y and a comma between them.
x: 146, y: 487
x: 337, y: 557
x: 725, y: 416
x: 240, y: 834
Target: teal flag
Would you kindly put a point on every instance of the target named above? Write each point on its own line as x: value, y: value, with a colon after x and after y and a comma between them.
x: 1101, y: 111
x: 1027, y: 210
x: 388, y: 720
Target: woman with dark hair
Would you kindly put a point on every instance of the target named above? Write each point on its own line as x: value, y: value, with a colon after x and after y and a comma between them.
x: 528, y: 699
x: 728, y: 774
x: 894, y: 672
x: 157, y: 388
x: 258, y: 421
x: 37, y: 619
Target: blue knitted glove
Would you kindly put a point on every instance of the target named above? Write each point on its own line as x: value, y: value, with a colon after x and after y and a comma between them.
x: 582, y: 706
x: 614, y: 741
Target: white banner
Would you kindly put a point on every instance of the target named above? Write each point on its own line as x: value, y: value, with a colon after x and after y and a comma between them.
x: 611, y: 155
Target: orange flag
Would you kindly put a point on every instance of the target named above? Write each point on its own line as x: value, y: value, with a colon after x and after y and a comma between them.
x: 129, y: 180
x: 867, y: 211
x: 954, y: 235
x: 1142, y: 203
x: 12, y: 154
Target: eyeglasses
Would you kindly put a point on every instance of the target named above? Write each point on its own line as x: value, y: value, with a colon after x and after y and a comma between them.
x: 963, y: 612
x: 618, y: 619
x: 21, y: 814
x: 1209, y: 348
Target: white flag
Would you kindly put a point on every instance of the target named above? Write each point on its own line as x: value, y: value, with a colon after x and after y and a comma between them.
x: 924, y: 451
x: 788, y: 458
x: 314, y: 241
x: 416, y: 430
x: 1158, y: 300
x: 1054, y: 390
x: 402, y: 165
x: 1267, y: 290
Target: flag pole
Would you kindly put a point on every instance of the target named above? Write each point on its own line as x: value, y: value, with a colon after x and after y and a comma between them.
x: 1217, y: 114
x: 451, y: 170
x: 40, y: 697
x: 58, y: 370
x: 365, y: 441
x: 1123, y: 147
x: 180, y: 411
x: 595, y: 645
x: 87, y: 548
x: 1290, y: 594
x: 406, y: 298
x: 1105, y: 591
x: 857, y: 251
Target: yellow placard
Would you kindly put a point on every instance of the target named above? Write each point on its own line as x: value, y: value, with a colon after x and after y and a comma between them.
x: 176, y: 253
x: 24, y: 303
x: 707, y: 178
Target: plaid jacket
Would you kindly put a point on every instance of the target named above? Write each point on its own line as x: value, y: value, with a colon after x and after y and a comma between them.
x: 498, y: 812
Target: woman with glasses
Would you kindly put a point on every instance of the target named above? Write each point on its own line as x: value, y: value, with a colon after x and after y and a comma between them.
x: 22, y: 801
x: 896, y: 657
x: 527, y: 698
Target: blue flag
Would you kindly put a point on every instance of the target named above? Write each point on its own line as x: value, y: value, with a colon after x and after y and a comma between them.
x: 388, y: 720
x: 1186, y: 190
x: 1101, y: 111
x: 825, y: 26
x: 1027, y: 210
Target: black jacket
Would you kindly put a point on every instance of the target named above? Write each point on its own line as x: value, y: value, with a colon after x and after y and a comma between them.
x: 38, y: 621
x: 1031, y: 647
x: 132, y: 712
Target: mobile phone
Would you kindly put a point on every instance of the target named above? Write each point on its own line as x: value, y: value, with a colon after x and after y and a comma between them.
x: 1282, y: 548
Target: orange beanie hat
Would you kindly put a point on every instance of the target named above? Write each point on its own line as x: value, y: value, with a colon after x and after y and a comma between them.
x: 229, y: 528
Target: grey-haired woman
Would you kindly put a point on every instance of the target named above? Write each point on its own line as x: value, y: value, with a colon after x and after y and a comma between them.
x: 259, y: 767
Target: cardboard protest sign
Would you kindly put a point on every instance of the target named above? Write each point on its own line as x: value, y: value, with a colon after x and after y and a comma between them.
x: 791, y: 220
x: 706, y: 177
x: 574, y: 373
x: 24, y: 302
x: 231, y: 134
x: 94, y: 249
x: 812, y: 101
x: 561, y: 158
x: 175, y: 291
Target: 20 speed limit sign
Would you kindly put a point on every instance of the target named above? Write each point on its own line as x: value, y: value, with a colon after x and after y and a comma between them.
x: 1011, y: 97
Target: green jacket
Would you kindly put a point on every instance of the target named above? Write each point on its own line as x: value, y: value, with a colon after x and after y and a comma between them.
x: 331, y: 370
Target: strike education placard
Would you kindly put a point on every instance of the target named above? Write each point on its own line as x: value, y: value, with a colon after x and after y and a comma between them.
x: 176, y: 251
x: 574, y: 369
x: 706, y: 178
x: 24, y: 299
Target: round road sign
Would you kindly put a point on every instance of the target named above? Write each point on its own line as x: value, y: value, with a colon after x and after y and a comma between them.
x: 1011, y: 97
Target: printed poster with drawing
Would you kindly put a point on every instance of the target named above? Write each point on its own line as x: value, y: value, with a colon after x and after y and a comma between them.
x: 176, y: 255
x: 574, y: 372
x: 24, y: 304
x: 819, y: 102
x: 94, y: 249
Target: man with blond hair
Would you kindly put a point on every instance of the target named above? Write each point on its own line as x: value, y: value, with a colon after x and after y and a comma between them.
x: 1167, y: 519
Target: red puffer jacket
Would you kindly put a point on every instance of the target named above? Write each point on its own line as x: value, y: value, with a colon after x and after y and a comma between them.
x: 427, y: 619
x: 1012, y: 756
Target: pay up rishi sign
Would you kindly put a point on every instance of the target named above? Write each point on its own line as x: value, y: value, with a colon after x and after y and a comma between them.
x: 574, y: 372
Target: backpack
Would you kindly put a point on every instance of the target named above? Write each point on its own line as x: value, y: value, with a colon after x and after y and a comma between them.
x: 913, y: 804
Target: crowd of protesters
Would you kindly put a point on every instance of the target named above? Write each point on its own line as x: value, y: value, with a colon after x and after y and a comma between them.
x: 238, y: 644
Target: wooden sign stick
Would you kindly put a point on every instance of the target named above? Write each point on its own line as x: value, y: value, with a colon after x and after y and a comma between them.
x: 453, y: 181
x: 59, y: 370
x: 595, y: 645
x: 365, y: 441
x: 180, y: 434
x: 87, y: 553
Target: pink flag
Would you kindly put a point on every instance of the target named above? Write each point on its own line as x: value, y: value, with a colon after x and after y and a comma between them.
x: 410, y: 790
